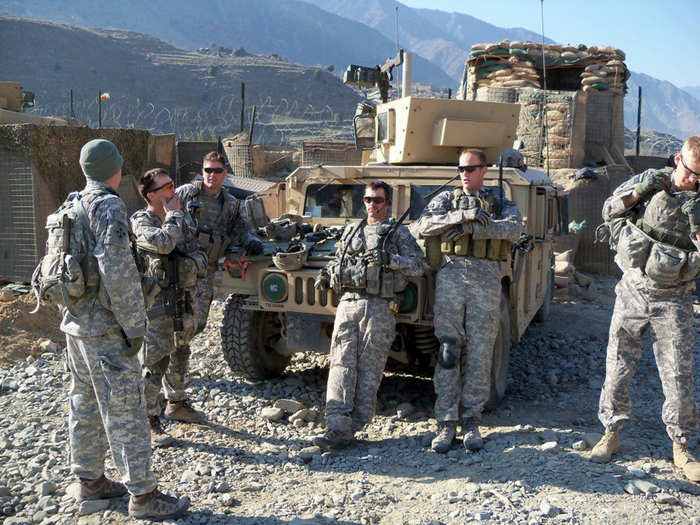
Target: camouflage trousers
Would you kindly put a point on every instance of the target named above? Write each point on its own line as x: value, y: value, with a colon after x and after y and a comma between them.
x: 202, y: 299
x: 467, y: 299
x: 668, y: 314
x: 362, y: 335
x: 107, y: 408
x: 163, y: 363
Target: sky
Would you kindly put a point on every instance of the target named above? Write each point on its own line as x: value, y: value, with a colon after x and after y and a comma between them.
x: 660, y: 38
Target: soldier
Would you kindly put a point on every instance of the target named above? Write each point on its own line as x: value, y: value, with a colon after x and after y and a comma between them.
x: 372, y: 261
x: 104, y: 331
x: 658, y: 219
x: 220, y: 225
x: 467, y: 295
x: 167, y: 244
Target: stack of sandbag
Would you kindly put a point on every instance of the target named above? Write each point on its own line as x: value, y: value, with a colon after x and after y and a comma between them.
x: 567, y: 281
x: 518, y: 65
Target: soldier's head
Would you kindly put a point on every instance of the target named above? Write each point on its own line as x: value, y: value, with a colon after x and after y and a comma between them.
x: 377, y: 200
x: 213, y: 172
x: 100, y: 161
x: 472, y: 168
x: 156, y: 187
x: 687, y: 172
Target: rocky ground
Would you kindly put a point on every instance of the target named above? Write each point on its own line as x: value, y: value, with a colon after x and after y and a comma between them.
x: 254, y: 463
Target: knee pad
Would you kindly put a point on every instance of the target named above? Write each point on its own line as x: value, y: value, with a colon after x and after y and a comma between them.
x: 448, y: 354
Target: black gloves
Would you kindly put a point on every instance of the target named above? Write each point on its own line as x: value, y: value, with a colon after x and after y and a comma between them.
x: 253, y: 247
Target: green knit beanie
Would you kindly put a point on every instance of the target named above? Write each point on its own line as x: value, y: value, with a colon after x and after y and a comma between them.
x: 100, y: 159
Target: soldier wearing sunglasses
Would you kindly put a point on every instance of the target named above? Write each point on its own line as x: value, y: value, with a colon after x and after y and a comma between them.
x: 221, y: 227
x: 467, y: 294
x: 372, y: 263
x: 657, y: 250
x: 166, y: 241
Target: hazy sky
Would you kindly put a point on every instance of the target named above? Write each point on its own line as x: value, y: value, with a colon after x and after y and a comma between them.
x: 660, y: 38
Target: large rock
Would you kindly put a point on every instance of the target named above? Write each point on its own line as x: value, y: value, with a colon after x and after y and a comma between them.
x: 272, y: 413
x: 92, y: 506
x: 290, y: 406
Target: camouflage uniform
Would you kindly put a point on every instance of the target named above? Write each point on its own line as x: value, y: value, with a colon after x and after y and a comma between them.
x: 107, y: 405
x: 642, y: 303
x: 467, y: 299
x: 364, y: 327
x: 221, y: 224
x: 163, y: 362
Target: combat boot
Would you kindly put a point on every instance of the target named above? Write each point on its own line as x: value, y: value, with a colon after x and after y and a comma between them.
x: 183, y: 411
x: 334, y: 439
x: 606, y: 447
x: 471, y: 436
x: 156, y: 506
x: 684, y: 460
x: 447, y: 430
x: 159, y: 438
x: 100, y: 488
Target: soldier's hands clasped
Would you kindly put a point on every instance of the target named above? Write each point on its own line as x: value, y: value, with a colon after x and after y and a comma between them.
x: 377, y: 257
x: 455, y: 233
x: 650, y: 183
x: 691, y: 208
x: 478, y: 215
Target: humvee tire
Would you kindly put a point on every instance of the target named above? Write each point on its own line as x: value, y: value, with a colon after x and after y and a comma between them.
x: 250, y: 341
x: 501, y: 356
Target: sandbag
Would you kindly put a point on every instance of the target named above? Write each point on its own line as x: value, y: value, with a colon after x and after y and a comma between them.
x: 565, y: 256
x: 591, y: 80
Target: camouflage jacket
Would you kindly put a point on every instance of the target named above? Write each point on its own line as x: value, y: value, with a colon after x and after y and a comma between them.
x: 444, y: 213
x: 405, y: 256
x: 119, y: 302
x: 230, y: 228
x: 156, y: 238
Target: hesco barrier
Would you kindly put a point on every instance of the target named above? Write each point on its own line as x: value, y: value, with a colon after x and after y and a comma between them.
x: 586, y: 197
x: 39, y: 167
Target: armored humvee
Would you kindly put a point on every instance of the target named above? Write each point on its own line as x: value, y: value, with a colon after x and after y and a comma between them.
x: 272, y: 309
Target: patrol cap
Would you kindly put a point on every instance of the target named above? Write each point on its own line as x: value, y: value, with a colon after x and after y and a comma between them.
x: 100, y: 159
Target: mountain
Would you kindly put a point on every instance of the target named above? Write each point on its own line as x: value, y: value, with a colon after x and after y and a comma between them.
x: 441, y: 37
x: 156, y: 86
x: 693, y: 90
x: 297, y: 30
x: 665, y: 107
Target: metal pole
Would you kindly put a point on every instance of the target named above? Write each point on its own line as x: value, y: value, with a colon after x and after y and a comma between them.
x: 99, y: 108
x: 252, y: 126
x: 544, y: 89
x: 72, y: 113
x: 242, y: 104
x: 639, y: 117
x: 449, y: 93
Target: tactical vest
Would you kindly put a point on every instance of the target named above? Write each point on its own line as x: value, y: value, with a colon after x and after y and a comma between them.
x: 213, y: 243
x: 350, y: 272
x: 493, y: 249
x: 658, y: 242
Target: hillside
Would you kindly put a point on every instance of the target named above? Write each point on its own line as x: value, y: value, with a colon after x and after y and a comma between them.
x: 441, y: 37
x: 156, y: 86
x: 296, y: 30
x: 665, y: 107
x: 693, y: 90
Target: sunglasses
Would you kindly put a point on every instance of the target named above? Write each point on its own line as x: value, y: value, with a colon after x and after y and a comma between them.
x: 694, y: 173
x: 169, y: 185
x: 376, y: 200
x: 469, y: 169
x: 218, y: 171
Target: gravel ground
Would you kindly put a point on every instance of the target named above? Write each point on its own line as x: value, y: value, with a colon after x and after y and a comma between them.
x: 255, y: 463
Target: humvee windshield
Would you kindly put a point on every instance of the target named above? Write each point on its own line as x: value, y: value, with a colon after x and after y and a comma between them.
x: 418, y: 201
x: 335, y: 200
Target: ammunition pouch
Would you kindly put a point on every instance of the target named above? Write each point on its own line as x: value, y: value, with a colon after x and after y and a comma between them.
x: 213, y: 245
x: 466, y: 246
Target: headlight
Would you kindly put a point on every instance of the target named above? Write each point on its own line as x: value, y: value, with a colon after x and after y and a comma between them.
x: 274, y: 287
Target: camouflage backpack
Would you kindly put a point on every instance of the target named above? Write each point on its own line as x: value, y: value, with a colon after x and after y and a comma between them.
x: 62, y: 275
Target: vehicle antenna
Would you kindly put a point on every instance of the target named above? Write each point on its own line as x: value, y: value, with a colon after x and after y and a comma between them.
x: 544, y: 87
x: 398, y: 48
